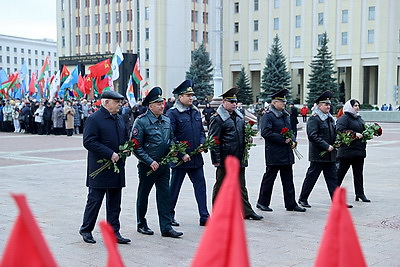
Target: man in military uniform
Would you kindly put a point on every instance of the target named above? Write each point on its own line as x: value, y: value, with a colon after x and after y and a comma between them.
x: 187, y: 126
x: 227, y: 125
x: 321, y: 134
x: 103, y: 133
x: 154, y: 133
x: 278, y: 154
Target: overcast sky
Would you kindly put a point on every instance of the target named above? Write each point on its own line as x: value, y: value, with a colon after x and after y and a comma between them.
x: 29, y: 18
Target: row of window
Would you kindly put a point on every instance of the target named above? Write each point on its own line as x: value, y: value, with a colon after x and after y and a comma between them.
x: 297, y: 41
x: 86, y: 3
x: 23, y: 51
x: 8, y: 61
x: 195, y: 15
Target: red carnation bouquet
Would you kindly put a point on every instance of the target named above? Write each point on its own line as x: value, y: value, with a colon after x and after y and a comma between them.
x: 125, y: 151
x: 209, y: 144
x: 370, y: 131
x: 341, y: 139
x: 249, y: 132
x: 286, y: 133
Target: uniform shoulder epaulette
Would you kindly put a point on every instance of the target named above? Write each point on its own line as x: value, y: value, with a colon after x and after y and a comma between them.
x: 268, y: 111
x: 141, y: 115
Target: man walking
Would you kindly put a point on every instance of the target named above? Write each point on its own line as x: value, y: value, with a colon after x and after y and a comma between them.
x: 278, y: 154
x: 153, y: 132
x: 187, y: 126
x: 227, y: 126
x: 102, y: 136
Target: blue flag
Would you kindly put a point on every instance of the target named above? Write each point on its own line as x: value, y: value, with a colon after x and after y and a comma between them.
x: 69, y: 82
x: 3, y: 76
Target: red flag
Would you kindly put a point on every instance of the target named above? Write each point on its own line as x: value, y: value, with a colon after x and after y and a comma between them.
x: 88, y: 84
x: 101, y: 68
x: 26, y: 245
x: 32, y: 84
x: 64, y: 74
x: 339, y: 245
x: 136, y: 72
x: 103, y: 85
x: 224, y: 239
x: 114, y: 258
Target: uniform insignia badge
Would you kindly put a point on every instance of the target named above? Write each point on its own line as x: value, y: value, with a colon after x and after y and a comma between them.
x: 135, y: 131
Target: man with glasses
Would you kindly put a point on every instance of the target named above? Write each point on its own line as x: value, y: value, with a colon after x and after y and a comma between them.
x: 104, y: 132
x: 227, y: 125
x: 187, y: 126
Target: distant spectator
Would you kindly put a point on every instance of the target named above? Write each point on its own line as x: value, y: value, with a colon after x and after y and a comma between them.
x: 208, y: 111
x: 304, y: 112
x: 195, y: 101
x: 384, y: 107
x: 293, y: 117
x: 390, y: 107
x: 170, y: 102
x: 205, y: 101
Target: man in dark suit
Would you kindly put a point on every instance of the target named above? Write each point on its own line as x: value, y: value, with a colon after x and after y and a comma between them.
x: 187, y: 126
x: 228, y: 125
x: 103, y: 133
x: 154, y: 133
x: 278, y: 154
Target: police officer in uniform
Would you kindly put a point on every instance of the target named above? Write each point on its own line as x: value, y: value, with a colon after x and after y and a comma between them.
x: 187, y: 126
x: 103, y: 133
x: 321, y: 134
x: 228, y: 125
x: 153, y: 131
x: 278, y: 154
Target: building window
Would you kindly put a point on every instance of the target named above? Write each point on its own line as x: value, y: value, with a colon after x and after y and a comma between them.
x: 146, y: 54
x: 147, y: 73
x: 256, y: 5
x: 36, y: 62
x: 42, y: 53
x: 97, y: 38
x: 36, y: 52
x: 97, y: 2
x: 108, y: 37
x: 194, y: 36
x: 106, y: 2
x: 62, y: 23
x: 205, y: 37
x: 55, y: 54
x: 117, y: 36
x: 298, y: 2
x: 344, y: 38
x: 276, y: 23
x: 205, y: 17
x: 107, y: 18
x: 345, y: 16
x: 371, y: 36
x: 276, y: 3
x: 236, y: 7
x: 87, y: 21
x: 371, y: 13
x: 297, y: 40
x: 15, y: 60
x: 63, y: 41
x: 62, y: 5
x: 255, y: 45
x: 8, y: 49
x: 77, y: 22
x: 87, y: 39
x: 298, y: 21
x: 236, y: 46
x: 77, y: 4
x: 77, y: 40
x: 96, y: 19
x: 118, y: 16
x: 320, y: 38
x: 129, y: 36
x: 87, y: 3
x: 147, y: 13
x: 22, y: 50
x: 29, y: 51
x: 194, y: 16
x: 15, y: 50
x: 147, y: 34
x: 29, y: 61
x: 129, y: 15
x: 256, y: 25
x: 8, y: 60
x: 236, y: 27
x: 321, y: 18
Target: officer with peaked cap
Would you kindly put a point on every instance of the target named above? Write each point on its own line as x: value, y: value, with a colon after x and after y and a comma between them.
x: 321, y: 132
x: 103, y: 133
x: 153, y: 132
x: 228, y: 125
x: 278, y: 154
x: 187, y: 126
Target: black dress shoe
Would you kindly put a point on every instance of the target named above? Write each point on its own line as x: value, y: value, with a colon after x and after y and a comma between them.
x: 203, y: 223
x: 363, y: 198
x: 172, y: 233
x: 121, y: 240
x: 349, y: 206
x: 87, y: 237
x: 296, y: 208
x: 174, y: 223
x: 254, y: 216
x: 304, y: 204
x: 145, y: 230
x: 263, y: 208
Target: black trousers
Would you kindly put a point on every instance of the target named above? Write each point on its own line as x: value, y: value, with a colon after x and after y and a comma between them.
x: 267, y: 184
x: 196, y: 176
x: 159, y: 178
x: 357, y: 164
x: 313, y: 172
x: 220, y: 175
x: 93, y: 205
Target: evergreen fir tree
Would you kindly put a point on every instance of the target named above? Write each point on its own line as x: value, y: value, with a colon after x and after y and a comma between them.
x: 200, y: 72
x: 275, y: 75
x: 322, y: 74
x: 245, y: 94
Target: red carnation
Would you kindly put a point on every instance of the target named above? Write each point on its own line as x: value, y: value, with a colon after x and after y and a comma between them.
x: 380, y: 131
x: 252, y: 123
x: 186, y: 142
x: 135, y: 143
x: 216, y: 140
x: 284, y: 130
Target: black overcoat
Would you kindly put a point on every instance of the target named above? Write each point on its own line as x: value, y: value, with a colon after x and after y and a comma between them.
x: 357, y: 148
x: 321, y: 134
x: 103, y: 134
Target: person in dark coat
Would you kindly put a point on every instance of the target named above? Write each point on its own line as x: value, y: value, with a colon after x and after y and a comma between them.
x: 104, y: 133
x: 208, y: 111
x: 293, y: 118
x: 48, y: 111
x: 278, y: 154
x: 321, y: 134
x: 354, y: 154
x: 26, y: 115
x: 154, y: 133
x: 187, y: 126
x: 228, y: 125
